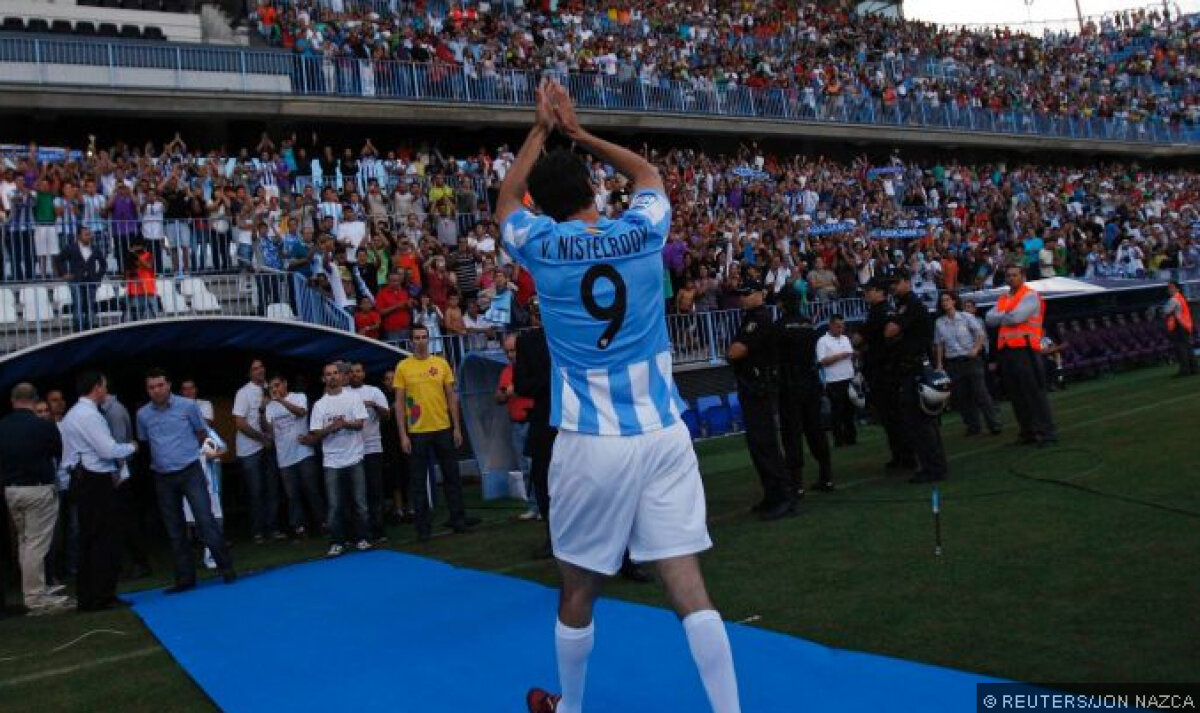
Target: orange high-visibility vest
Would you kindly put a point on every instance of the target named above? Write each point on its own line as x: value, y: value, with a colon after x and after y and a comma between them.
x: 1027, y: 333
x: 1185, y: 315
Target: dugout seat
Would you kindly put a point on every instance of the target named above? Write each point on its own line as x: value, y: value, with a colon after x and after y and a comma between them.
x: 735, y: 409
x: 715, y: 416
x: 691, y: 419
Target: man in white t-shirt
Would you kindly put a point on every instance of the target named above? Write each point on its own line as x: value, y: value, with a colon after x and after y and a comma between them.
x: 287, y: 419
x: 188, y: 390
x: 351, y: 233
x: 258, y: 466
x: 337, y: 423
x: 835, y: 353
x: 378, y: 410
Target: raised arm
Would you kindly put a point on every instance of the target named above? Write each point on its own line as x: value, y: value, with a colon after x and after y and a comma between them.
x: 643, y: 174
x: 512, y: 190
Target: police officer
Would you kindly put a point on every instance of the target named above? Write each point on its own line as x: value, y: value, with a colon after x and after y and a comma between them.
x: 1019, y: 316
x: 800, y: 394
x: 876, y: 367
x: 752, y: 353
x: 909, y: 332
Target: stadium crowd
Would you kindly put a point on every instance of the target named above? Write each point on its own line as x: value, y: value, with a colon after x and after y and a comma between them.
x: 1134, y: 66
x: 404, y: 235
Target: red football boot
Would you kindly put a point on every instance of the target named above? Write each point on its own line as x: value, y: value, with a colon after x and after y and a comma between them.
x: 541, y: 701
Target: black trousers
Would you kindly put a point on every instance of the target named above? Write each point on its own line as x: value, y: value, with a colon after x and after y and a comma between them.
x: 373, y: 469
x: 437, y: 445
x: 844, y: 431
x: 1181, y: 343
x: 99, y: 539
x: 131, y: 510
x: 539, y: 447
x: 800, y: 415
x: 885, y: 399
x: 1025, y: 383
x: 922, y: 432
x: 763, y: 443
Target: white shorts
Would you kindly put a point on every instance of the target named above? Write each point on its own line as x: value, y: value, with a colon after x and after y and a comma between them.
x: 45, y: 241
x: 609, y: 493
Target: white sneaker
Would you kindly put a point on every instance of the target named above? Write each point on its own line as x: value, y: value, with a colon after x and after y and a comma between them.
x: 528, y: 515
x: 335, y: 551
x: 49, y: 604
x: 209, y: 562
x: 363, y: 545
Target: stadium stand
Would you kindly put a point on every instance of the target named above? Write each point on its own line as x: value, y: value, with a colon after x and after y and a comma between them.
x: 1132, y: 66
x: 176, y: 20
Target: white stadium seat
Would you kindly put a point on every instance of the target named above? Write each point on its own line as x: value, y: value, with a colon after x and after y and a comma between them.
x: 36, y: 305
x: 63, y: 298
x: 172, y: 301
x: 191, y: 286
x: 205, y: 302
x: 280, y: 310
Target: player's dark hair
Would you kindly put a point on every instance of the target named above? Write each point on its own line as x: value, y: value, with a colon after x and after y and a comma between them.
x: 87, y: 381
x: 155, y: 372
x: 561, y: 185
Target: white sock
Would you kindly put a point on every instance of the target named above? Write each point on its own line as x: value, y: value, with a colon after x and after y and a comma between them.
x: 710, y: 649
x: 574, y: 647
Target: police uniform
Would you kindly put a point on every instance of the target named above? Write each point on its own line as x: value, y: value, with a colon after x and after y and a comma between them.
x: 880, y: 380
x: 908, y: 357
x: 758, y: 392
x: 800, y: 396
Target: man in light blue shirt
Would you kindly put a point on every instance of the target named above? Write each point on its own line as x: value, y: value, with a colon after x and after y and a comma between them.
x: 175, y: 430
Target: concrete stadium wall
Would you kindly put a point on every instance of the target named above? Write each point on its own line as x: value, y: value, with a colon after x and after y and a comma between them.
x: 227, y: 99
x: 140, y: 78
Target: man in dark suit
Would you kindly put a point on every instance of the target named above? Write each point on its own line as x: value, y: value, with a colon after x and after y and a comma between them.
x: 531, y: 378
x: 84, y: 265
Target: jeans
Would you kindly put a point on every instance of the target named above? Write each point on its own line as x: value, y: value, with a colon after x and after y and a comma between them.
x: 21, y: 254
x: 302, y: 482
x: 172, y: 489
x: 373, y: 470
x: 336, y: 481
x: 518, y: 435
x: 439, y: 445
x: 84, y: 298
x: 262, y: 492
x: 142, y: 307
x: 970, y: 393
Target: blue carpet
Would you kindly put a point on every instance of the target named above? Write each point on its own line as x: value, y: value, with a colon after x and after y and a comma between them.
x: 390, y: 632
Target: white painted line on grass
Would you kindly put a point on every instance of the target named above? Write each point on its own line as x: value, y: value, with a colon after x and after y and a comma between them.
x: 53, y: 672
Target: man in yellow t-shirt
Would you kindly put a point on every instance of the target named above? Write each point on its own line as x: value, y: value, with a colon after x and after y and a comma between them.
x: 429, y: 423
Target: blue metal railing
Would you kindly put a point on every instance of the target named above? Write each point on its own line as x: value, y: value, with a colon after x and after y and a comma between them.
x: 143, y: 65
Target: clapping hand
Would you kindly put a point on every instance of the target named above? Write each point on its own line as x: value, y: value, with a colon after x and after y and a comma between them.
x: 544, y: 106
x: 564, y: 110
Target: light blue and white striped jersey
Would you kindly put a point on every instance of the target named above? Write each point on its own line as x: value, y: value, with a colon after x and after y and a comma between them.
x: 600, y: 289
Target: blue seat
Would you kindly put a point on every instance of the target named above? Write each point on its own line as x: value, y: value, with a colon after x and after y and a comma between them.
x: 718, y: 420
x: 704, y: 403
x: 735, y: 408
x: 692, y: 420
